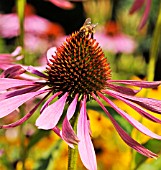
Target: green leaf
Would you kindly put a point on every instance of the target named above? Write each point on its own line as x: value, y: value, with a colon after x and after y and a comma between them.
x: 154, y: 145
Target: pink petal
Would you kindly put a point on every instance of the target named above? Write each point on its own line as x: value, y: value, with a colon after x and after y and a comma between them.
x: 6, y: 83
x: 85, y: 146
x: 130, y: 119
x: 124, y: 43
x: 146, y: 14
x: 58, y: 132
x: 11, y: 104
x: 51, y: 115
x: 123, y: 89
x: 142, y: 84
x: 17, y: 51
x: 14, y: 93
x: 46, y: 104
x: 127, y: 139
x: 51, y: 54
x: 68, y: 133
x: 13, y: 71
x: 136, y: 6
x: 26, y: 117
x: 147, y: 103
x: 64, y: 4
x: 72, y: 108
x: 138, y: 109
x: 36, y: 72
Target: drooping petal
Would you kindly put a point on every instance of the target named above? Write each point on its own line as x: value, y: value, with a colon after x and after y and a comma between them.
x: 11, y: 104
x: 68, y: 133
x: 85, y: 146
x: 147, y: 103
x: 146, y: 14
x: 131, y: 120
x: 127, y: 139
x: 137, y: 108
x: 142, y: 84
x: 123, y: 89
x: 26, y: 117
x: 6, y: 83
x: 58, y: 132
x: 13, y: 71
x: 51, y: 115
x: 136, y: 6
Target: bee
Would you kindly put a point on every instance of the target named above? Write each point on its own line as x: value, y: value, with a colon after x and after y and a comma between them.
x: 87, y: 28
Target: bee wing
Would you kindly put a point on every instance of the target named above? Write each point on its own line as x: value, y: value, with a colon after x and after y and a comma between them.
x: 94, y: 25
x: 87, y: 21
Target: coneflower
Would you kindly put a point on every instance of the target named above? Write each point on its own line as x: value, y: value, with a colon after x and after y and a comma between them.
x: 78, y: 72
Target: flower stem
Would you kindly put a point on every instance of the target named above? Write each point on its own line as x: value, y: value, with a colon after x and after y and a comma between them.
x: 154, y: 47
x: 21, y: 13
x: 73, y: 153
x: 72, y: 158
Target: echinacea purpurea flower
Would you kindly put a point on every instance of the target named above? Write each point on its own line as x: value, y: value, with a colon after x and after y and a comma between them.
x: 78, y: 72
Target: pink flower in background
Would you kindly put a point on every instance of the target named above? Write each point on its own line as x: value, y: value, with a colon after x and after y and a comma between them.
x: 137, y: 5
x: 113, y: 40
x: 39, y: 32
x: 78, y: 72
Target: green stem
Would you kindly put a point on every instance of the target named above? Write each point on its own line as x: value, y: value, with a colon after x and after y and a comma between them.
x: 154, y: 47
x: 21, y: 13
x: 73, y: 153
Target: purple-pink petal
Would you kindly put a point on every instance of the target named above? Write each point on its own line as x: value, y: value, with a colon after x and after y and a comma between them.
x: 146, y: 14
x: 13, y: 71
x: 58, y: 132
x: 14, y: 93
x: 122, y: 89
x: 142, y: 84
x: 68, y: 133
x: 64, y: 4
x: 137, y: 108
x: 130, y: 119
x: 136, y: 6
x: 127, y: 139
x: 11, y: 104
x: 26, y: 117
x: 51, y: 114
x: 85, y: 146
x: 17, y: 51
x: 46, y: 104
x: 51, y: 54
x: 36, y: 72
x: 147, y: 103
x: 6, y: 83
